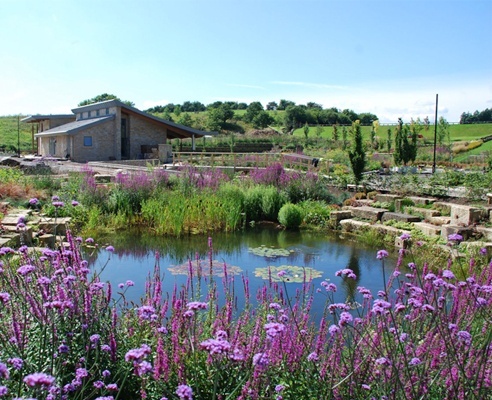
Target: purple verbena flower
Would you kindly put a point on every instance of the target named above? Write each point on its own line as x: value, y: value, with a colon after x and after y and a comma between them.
x: 4, y: 297
x: 26, y: 269
x: 39, y: 379
x: 4, y: 372
x: 382, y: 254
x: 455, y: 237
x: 16, y: 362
x: 184, y: 392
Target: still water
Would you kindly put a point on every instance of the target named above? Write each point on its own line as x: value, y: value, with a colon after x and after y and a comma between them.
x: 248, y: 253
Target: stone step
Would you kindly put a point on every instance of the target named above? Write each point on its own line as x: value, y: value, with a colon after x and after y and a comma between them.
x: 421, y: 200
x: 439, y: 221
x: 369, y: 213
x: 10, y: 240
x: 426, y: 213
x: 353, y: 225
x: 466, y: 215
x: 443, y: 207
x: 447, y: 230
x: 388, y: 216
x: 486, y: 232
x: 337, y: 216
x: 428, y: 229
x: 387, y: 198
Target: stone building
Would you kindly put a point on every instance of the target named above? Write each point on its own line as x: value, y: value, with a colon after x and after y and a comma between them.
x: 109, y: 130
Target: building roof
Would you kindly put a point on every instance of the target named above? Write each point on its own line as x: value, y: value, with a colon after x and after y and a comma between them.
x: 74, y: 127
x: 39, y: 117
x: 175, y: 131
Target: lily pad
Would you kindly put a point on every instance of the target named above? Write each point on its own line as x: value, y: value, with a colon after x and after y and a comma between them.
x: 203, y: 266
x: 293, y: 273
x: 270, y: 252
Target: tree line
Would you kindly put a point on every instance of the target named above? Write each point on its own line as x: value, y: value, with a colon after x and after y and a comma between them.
x: 476, y: 117
x: 259, y: 116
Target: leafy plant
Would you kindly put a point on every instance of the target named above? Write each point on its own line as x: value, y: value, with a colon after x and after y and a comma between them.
x: 290, y: 215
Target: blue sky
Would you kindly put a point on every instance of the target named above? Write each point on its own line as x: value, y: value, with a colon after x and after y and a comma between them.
x: 390, y: 58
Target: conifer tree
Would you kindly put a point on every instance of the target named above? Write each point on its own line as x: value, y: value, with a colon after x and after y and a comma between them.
x: 357, y: 154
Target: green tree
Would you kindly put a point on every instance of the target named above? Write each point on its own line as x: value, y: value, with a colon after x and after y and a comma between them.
x: 217, y: 117
x: 405, y: 150
x: 253, y: 110
x: 262, y: 120
x: 443, y: 131
x: 344, y: 137
x: 283, y: 104
x: 186, y: 120
x: 272, y: 106
x: 295, y: 117
x: 357, y: 154
x: 389, y: 140
x: 335, y: 132
x: 104, y: 97
x: 306, y: 130
x: 177, y: 110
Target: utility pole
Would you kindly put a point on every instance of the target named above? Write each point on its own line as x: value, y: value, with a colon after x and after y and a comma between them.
x: 18, y: 136
x: 435, y: 139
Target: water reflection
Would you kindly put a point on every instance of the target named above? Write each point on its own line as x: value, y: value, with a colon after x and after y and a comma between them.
x: 134, y: 259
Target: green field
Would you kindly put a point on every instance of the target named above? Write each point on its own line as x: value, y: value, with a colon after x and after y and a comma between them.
x: 9, y: 132
x: 456, y: 132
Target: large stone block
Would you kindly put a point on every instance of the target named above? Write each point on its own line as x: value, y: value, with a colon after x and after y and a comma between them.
x: 387, y: 216
x: 443, y: 207
x: 352, y: 225
x: 465, y: 215
x: 369, y: 213
x: 486, y: 232
x: 426, y: 213
x: 447, y: 230
x: 337, y: 216
x: 428, y: 229
x: 387, y: 198
x: 439, y: 220
x: 423, y: 201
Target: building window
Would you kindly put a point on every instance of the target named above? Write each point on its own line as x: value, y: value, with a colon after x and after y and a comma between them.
x: 87, y: 141
x: 97, y: 113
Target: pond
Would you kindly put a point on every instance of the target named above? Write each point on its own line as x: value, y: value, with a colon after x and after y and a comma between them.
x: 250, y: 253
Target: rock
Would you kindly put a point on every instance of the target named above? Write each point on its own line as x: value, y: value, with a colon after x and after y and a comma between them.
x: 426, y: 213
x: 421, y: 200
x: 428, y: 229
x: 465, y: 215
x: 352, y: 225
x: 447, y: 230
x: 387, y: 198
x: 387, y: 216
x: 369, y: 213
x: 337, y: 216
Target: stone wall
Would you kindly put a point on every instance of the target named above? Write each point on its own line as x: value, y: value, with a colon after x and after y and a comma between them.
x: 144, y: 133
x: 103, y: 143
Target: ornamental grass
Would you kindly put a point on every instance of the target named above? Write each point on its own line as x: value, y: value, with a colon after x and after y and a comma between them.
x: 65, y: 334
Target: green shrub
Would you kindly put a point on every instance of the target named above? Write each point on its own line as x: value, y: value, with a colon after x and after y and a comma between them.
x: 316, y: 213
x: 253, y: 203
x: 290, y: 215
x: 271, y: 203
